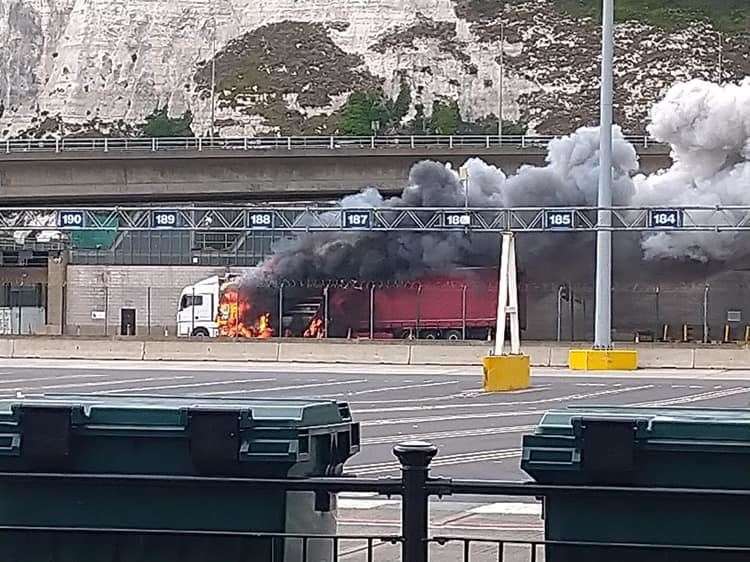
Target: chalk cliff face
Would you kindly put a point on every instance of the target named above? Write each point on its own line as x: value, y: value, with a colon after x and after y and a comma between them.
x: 102, y: 66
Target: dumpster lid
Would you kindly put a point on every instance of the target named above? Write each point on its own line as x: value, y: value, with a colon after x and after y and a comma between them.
x: 700, y: 424
x: 148, y: 409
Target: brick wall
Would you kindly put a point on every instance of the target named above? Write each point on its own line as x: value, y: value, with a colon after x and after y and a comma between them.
x: 153, y: 291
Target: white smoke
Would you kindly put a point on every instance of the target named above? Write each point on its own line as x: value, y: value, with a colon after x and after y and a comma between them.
x: 708, y: 128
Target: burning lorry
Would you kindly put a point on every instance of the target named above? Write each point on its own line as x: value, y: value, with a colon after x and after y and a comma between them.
x: 457, y: 305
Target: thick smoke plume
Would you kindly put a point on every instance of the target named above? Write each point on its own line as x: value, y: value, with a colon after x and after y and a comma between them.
x: 707, y: 126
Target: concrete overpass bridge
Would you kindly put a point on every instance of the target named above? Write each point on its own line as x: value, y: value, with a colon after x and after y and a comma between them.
x: 105, y: 170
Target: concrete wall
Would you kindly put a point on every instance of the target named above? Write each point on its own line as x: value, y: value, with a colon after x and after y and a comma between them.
x: 153, y: 291
x: 396, y: 353
x: 77, y: 177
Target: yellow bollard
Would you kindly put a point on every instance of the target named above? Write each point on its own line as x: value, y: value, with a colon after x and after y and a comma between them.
x: 506, y: 372
x: 603, y: 360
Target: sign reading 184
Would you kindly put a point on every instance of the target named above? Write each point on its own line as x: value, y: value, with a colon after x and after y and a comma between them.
x: 665, y: 218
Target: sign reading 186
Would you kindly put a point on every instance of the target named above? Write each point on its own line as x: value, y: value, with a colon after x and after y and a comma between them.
x: 456, y: 220
x: 664, y: 218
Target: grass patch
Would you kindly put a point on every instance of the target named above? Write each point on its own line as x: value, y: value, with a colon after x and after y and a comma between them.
x: 730, y: 16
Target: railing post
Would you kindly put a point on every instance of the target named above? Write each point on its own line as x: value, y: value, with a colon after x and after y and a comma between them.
x: 415, y: 458
x: 450, y: 141
x: 523, y: 141
x: 372, y: 143
x: 57, y: 144
x: 411, y: 140
x: 244, y: 143
x: 106, y: 144
x: 331, y: 144
x: 153, y: 145
x: 289, y: 143
x: 200, y: 144
x: 487, y: 141
x: 7, y: 146
x: 645, y: 141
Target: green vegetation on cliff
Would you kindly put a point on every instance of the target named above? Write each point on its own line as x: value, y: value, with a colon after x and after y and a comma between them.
x: 160, y: 124
x: 731, y: 16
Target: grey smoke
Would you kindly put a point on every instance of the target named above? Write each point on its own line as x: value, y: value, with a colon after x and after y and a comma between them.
x: 708, y: 127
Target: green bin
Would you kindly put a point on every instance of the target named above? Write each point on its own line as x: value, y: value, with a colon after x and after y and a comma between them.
x: 64, y: 437
x: 643, y: 447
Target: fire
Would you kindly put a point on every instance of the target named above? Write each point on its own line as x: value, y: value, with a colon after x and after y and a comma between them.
x: 233, y: 310
x: 315, y: 328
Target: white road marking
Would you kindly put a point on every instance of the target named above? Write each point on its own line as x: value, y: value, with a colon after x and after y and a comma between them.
x: 428, y: 419
x: 55, y: 378
x: 712, y: 395
x: 402, y: 387
x: 592, y: 384
x: 187, y: 385
x: 508, y: 508
x: 352, y: 503
x: 567, y: 398
x: 290, y: 387
x: 76, y: 386
x: 390, y: 439
x: 447, y: 460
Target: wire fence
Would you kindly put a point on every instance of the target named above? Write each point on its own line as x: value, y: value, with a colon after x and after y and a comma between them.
x: 199, y: 144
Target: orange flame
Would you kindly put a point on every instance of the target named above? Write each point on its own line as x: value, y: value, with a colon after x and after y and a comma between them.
x: 233, y: 310
x: 315, y: 328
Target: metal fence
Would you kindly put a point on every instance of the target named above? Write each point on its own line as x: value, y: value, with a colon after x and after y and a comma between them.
x: 415, y: 542
x: 199, y: 144
x: 105, y: 301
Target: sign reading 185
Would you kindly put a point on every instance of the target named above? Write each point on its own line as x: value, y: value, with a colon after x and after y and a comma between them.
x: 665, y: 218
x: 558, y: 219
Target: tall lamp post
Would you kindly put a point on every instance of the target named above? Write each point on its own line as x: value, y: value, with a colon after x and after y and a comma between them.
x: 603, y: 314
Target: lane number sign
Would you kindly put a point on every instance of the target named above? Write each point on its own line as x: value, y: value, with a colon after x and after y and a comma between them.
x: 164, y: 219
x: 357, y: 219
x: 456, y: 220
x: 664, y: 218
x: 559, y: 220
x: 70, y: 219
x: 260, y: 219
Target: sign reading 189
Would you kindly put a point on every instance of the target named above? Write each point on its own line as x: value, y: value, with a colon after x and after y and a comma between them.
x: 165, y: 219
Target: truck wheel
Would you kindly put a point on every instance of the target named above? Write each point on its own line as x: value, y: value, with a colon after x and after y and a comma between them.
x: 200, y: 333
x: 429, y: 335
x: 453, y: 335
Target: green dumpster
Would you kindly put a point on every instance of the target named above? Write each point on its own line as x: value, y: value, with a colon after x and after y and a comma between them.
x: 643, y: 447
x: 62, y: 455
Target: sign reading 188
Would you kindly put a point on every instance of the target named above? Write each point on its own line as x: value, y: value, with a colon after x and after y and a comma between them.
x: 261, y: 220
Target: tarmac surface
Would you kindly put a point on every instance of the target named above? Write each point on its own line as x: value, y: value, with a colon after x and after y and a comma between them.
x: 478, y: 434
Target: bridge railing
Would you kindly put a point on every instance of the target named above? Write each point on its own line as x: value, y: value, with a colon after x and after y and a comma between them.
x: 200, y: 144
x: 414, y: 541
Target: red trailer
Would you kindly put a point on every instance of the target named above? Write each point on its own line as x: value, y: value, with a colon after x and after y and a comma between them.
x: 462, y: 305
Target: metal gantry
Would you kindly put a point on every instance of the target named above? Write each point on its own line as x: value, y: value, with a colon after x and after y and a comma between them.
x: 295, y: 219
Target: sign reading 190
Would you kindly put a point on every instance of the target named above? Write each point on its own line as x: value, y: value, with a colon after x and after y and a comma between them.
x: 164, y: 219
x: 70, y: 219
x: 664, y: 218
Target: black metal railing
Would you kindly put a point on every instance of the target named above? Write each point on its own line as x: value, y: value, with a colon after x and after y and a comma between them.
x: 414, y: 543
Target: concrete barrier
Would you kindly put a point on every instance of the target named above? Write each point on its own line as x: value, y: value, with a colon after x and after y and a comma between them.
x: 708, y: 358
x: 665, y: 357
x: 558, y: 356
x: 43, y: 348
x: 319, y: 352
x: 539, y: 355
x: 6, y: 348
x: 210, y: 351
x: 448, y: 355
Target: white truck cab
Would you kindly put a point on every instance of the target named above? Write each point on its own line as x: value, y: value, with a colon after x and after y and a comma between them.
x: 197, y: 308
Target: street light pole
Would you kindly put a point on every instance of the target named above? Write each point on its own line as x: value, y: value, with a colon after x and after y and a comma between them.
x: 500, y: 85
x: 213, y: 78
x: 603, y: 315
